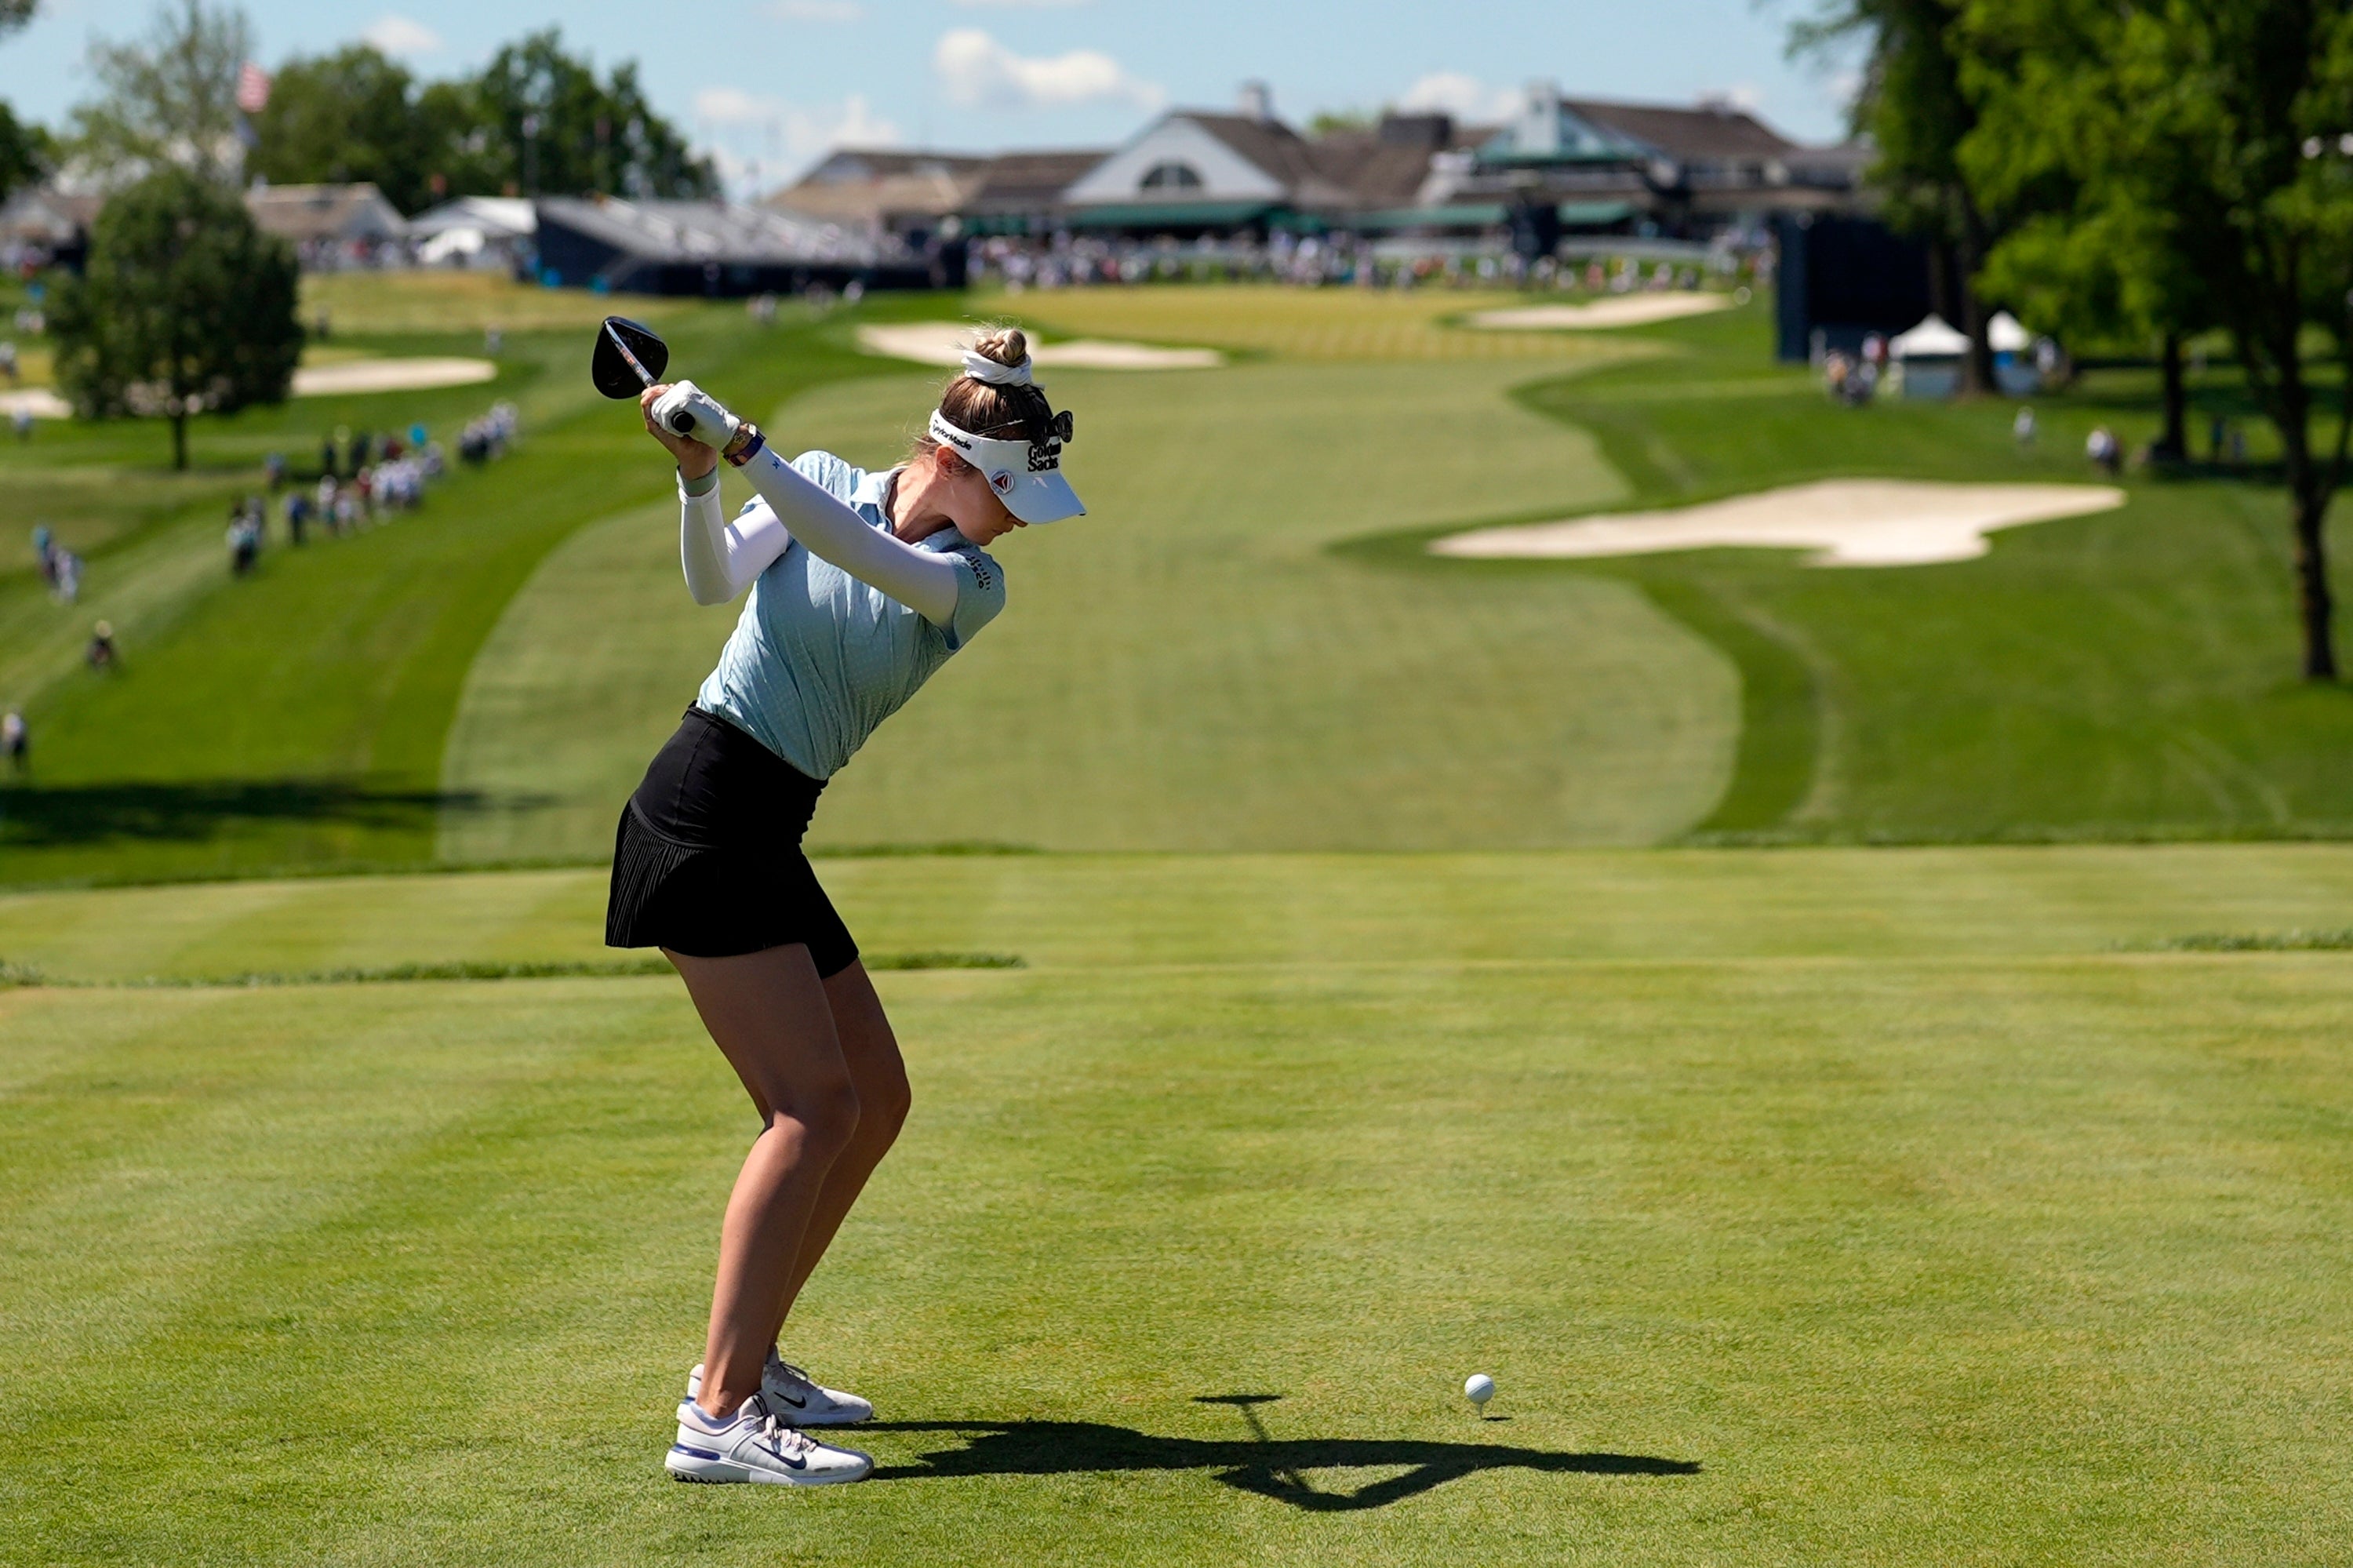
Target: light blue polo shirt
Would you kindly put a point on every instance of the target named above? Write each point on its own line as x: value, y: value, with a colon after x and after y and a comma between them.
x: 817, y: 659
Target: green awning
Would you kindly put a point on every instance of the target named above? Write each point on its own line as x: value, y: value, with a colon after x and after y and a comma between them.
x: 1470, y: 215
x: 1593, y: 213
x: 1171, y: 215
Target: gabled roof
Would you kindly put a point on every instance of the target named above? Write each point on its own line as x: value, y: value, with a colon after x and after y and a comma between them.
x: 1708, y: 132
x: 1372, y: 171
x: 853, y: 165
x: 47, y: 216
x: 302, y: 213
x: 1276, y: 149
x: 1025, y: 181
x: 1568, y: 137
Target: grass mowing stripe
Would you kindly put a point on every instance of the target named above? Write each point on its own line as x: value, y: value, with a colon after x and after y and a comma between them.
x: 2336, y: 942
x: 26, y: 975
x: 1062, y: 911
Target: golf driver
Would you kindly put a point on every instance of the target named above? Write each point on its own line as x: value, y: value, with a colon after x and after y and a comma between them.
x: 630, y: 358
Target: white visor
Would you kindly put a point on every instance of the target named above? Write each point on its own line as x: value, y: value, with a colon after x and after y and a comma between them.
x: 1028, y: 479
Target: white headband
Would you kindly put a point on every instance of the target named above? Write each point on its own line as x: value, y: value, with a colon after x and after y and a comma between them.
x: 988, y: 454
x: 980, y: 367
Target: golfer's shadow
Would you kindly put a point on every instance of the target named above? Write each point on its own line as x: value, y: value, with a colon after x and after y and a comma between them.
x: 1261, y: 1463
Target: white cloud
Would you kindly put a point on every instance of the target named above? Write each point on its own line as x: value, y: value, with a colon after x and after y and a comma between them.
x: 978, y: 72
x: 395, y: 35
x: 817, y: 10
x: 733, y: 106
x: 757, y: 141
x: 1463, y: 97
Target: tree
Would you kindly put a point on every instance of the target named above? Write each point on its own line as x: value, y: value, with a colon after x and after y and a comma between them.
x: 24, y: 153
x: 23, y: 148
x: 1915, y: 106
x: 185, y: 306
x: 2072, y: 262
x: 170, y: 99
x: 537, y: 119
x: 565, y: 132
x: 352, y: 115
x: 2215, y: 145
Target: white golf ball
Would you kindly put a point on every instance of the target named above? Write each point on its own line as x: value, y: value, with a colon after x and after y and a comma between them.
x: 1479, y: 1389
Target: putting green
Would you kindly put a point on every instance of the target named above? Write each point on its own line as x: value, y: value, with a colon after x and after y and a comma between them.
x: 1930, y: 1256
x: 1184, y: 669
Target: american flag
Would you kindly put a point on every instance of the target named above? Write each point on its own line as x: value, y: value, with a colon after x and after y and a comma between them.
x: 252, y: 89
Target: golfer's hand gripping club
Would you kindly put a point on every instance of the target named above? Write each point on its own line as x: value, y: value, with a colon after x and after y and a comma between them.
x: 690, y: 411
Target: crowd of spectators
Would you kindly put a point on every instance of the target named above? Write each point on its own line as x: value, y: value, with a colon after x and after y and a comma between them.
x: 1320, y: 259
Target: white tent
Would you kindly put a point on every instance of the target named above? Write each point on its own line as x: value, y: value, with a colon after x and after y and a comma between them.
x: 1932, y: 339
x: 2004, y: 335
x: 491, y: 217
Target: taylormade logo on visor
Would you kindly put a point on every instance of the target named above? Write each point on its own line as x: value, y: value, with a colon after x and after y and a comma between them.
x: 1026, y: 475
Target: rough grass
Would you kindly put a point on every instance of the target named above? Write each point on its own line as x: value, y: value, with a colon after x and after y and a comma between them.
x: 2131, y: 674
x: 1928, y: 1256
x: 298, y: 717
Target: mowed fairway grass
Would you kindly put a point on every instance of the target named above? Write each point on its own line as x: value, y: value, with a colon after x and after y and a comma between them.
x: 1823, y: 1207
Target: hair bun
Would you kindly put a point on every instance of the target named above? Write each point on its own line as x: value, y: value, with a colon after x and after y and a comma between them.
x: 1007, y: 345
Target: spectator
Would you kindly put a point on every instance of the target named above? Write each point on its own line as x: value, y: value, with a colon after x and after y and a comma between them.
x: 2102, y: 446
x: 2216, y: 430
x: 244, y: 541
x: 101, y: 654
x: 274, y: 466
x: 16, y: 741
x: 23, y: 419
x: 361, y: 450
x: 8, y: 360
x: 328, y: 467
x: 2022, y: 429
x: 298, y: 516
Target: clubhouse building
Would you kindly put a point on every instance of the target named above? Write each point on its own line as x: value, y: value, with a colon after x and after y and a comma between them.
x: 1563, y: 168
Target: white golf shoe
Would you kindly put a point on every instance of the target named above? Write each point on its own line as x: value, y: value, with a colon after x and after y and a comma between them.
x: 754, y: 1446
x: 796, y: 1397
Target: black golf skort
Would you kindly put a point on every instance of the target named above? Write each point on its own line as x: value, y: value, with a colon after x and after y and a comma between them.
x: 707, y: 861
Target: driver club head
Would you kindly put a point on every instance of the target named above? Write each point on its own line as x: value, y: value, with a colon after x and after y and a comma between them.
x: 629, y: 358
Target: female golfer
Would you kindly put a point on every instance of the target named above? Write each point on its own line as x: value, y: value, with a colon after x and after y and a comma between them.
x: 863, y: 585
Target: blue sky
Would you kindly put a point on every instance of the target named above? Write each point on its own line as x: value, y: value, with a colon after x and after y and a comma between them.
x: 768, y: 84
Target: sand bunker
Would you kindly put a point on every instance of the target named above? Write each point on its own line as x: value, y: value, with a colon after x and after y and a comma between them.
x: 1845, y: 522
x: 341, y: 379
x: 38, y: 401
x: 1633, y: 310
x: 943, y: 343
x: 389, y: 375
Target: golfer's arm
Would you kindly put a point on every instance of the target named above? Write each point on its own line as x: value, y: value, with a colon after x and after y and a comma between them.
x: 722, y: 557
x: 923, y: 581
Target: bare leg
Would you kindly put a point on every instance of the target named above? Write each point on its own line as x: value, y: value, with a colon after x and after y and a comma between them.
x: 871, y: 1053
x: 769, y: 1014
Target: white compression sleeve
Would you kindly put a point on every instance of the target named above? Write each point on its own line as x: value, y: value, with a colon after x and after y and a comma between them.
x: 722, y: 557
x: 924, y: 581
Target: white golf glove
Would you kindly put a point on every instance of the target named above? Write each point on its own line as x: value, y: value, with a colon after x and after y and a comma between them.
x: 714, y: 427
